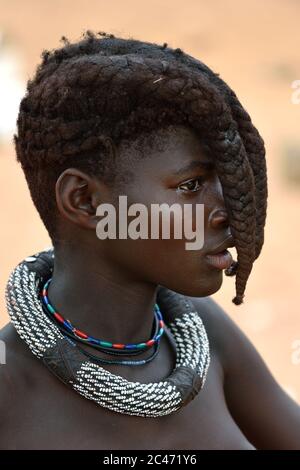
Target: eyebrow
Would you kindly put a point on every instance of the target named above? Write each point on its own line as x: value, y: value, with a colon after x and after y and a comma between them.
x: 203, y: 165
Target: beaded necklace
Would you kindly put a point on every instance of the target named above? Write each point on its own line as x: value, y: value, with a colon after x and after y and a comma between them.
x: 102, y: 345
x: 124, y: 362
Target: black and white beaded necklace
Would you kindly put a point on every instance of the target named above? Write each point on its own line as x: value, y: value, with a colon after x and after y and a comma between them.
x: 89, y: 379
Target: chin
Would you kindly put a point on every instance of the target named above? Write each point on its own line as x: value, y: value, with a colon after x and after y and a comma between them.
x: 201, y: 287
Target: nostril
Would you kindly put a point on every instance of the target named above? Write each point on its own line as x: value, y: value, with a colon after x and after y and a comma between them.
x: 218, y: 218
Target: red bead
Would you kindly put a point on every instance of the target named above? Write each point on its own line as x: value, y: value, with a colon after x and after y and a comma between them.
x: 118, y: 346
x: 59, y: 317
x: 161, y: 323
x: 80, y: 333
x: 150, y: 342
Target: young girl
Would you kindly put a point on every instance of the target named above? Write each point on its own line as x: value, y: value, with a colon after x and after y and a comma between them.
x: 114, y: 343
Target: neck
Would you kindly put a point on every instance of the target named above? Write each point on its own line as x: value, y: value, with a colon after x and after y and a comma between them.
x: 102, y: 300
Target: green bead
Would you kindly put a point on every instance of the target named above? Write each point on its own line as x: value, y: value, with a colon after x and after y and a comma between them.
x: 105, y: 343
x: 51, y: 308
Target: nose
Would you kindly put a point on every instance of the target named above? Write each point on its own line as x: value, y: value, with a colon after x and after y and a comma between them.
x: 218, y: 217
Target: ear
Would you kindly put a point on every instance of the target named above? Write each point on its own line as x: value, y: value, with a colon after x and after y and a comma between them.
x: 78, y: 196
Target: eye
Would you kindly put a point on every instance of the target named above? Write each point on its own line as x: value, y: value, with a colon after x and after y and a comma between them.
x: 191, y: 185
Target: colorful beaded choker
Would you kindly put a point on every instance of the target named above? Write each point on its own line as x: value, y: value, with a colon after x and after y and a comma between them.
x: 105, y: 345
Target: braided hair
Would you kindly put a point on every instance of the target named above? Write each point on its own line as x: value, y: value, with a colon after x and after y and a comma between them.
x: 108, y: 89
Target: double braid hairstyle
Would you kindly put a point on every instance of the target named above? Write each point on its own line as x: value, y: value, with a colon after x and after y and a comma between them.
x: 104, y: 89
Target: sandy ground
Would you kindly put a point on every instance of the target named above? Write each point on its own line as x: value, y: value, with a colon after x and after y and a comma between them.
x: 254, y: 46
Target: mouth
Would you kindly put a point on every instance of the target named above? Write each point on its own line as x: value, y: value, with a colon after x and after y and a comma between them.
x: 221, y: 260
x: 220, y: 257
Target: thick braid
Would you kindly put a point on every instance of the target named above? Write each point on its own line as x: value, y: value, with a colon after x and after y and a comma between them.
x: 97, y: 90
x: 255, y: 149
x: 256, y: 154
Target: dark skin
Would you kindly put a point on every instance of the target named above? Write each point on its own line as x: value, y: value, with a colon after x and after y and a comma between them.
x: 107, y: 288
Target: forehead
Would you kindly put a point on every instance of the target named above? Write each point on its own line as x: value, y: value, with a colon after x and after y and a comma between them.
x: 168, y: 151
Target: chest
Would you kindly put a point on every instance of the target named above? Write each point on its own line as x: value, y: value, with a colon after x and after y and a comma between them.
x: 53, y: 416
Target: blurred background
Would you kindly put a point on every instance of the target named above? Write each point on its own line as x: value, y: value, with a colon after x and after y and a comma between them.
x: 254, y: 46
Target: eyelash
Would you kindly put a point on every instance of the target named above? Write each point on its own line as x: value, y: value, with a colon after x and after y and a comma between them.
x: 189, y: 181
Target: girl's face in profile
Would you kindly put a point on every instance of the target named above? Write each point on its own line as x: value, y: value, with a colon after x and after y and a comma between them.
x: 180, y: 174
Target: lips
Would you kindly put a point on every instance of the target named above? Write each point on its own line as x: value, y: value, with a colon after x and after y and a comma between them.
x: 220, y: 261
x: 220, y: 257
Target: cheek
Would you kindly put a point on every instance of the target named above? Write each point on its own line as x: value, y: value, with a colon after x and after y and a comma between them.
x: 168, y: 263
x: 187, y: 272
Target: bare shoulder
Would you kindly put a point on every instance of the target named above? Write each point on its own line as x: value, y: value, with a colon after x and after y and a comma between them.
x: 268, y: 417
x: 15, y: 371
x: 17, y: 357
x: 226, y: 338
x: 9, y: 359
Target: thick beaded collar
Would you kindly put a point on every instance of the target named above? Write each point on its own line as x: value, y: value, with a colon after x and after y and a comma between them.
x: 95, y: 383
